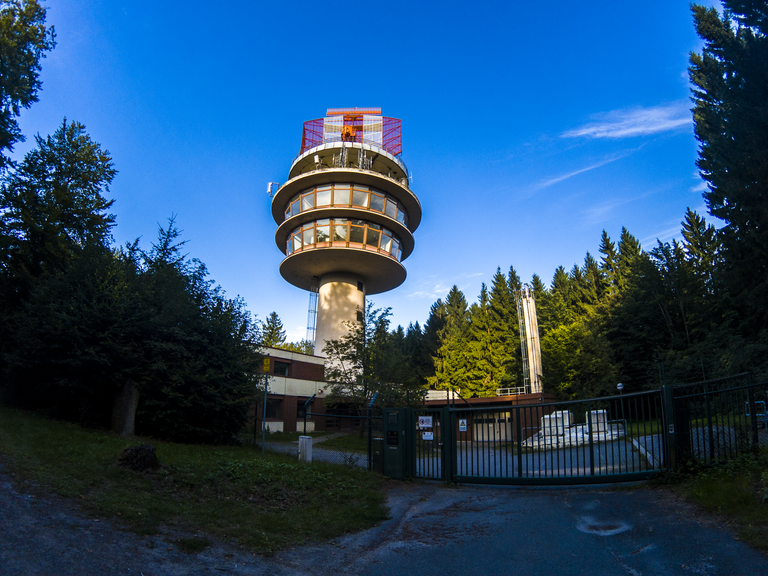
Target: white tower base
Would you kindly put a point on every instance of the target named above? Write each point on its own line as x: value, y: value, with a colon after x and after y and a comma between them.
x: 341, y: 297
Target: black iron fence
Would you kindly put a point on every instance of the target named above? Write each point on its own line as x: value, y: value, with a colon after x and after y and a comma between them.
x: 618, y: 438
x: 716, y: 420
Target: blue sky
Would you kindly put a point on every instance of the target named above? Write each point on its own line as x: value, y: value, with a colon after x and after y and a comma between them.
x: 529, y: 127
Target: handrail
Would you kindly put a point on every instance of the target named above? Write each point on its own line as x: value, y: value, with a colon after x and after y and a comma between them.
x: 519, y: 390
x: 373, y: 146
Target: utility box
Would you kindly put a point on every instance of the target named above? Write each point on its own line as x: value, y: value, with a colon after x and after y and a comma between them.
x: 599, y: 421
x: 394, y: 449
x: 555, y: 424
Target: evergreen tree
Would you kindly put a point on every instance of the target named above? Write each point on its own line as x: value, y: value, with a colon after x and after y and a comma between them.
x: 731, y: 123
x: 419, y: 360
x: 505, y: 335
x: 537, y: 286
x: 702, y: 247
x: 513, y: 279
x: 452, y: 361
x: 272, y: 333
x: 609, y: 265
x: 629, y: 252
x: 552, y: 306
x: 593, y: 285
x: 483, y: 366
x: 433, y: 328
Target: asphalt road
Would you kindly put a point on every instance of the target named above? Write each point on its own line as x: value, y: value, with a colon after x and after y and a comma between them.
x: 434, y: 529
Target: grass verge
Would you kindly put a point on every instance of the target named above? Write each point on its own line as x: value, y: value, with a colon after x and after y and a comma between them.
x: 736, y: 491
x: 228, y: 493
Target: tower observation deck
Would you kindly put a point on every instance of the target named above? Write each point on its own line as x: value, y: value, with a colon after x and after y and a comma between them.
x: 346, y: 215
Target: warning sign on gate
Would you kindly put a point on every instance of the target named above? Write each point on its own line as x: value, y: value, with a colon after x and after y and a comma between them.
x: 425, y: 421
x: 462, y: 425
x: 427, y: 436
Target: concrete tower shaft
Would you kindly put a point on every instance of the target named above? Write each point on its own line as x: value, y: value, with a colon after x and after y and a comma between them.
x: 346, y: 215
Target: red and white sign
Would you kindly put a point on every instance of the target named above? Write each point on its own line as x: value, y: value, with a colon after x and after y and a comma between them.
x: 425, y: 421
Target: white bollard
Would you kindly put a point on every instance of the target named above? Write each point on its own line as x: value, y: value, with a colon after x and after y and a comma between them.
x: 305, y: 449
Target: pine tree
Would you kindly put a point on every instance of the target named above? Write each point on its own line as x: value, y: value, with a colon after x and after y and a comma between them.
x: 272, y: 333
x: 593, y: 287
x: 451, y: 361
x: 702, y: 247
x: 482, y: 373
x: 433, y: 328
x: 505, y: 333
x: 731, y: 123
x: 419, y: 360
x: 609, y: 263
x: 513, y: 279
x: 629, y: 252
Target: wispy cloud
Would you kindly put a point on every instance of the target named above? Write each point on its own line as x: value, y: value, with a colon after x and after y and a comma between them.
x: 662, y: 235
x: 546, y: 183
x: 433, y: 289
x: 602, y: 211
x: 631, y: 122
x: 437, y: 290
x: 700, y: 187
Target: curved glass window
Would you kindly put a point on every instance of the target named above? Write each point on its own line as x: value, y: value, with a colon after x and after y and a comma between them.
x: 344, y: 195
x: 344, y: 233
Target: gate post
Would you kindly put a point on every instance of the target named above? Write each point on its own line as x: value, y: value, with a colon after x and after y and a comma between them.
x: 449, y: 444
x: 753, y: 418
x: 410, y: 443
x: 668, y: 430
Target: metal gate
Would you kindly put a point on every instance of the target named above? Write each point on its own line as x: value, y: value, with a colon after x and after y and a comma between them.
x: 430, y: 427
x: 612, y: 439
x: 618, y: 438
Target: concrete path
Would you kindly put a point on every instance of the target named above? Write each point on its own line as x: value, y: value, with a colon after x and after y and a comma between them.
x: 434, y: 529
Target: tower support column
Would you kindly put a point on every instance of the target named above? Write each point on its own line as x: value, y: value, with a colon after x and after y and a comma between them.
x: 341, y: 297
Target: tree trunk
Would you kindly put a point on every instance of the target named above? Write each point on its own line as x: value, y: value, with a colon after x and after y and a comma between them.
x: 124, y: 409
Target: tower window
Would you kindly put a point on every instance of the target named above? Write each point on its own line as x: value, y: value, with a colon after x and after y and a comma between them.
x: 359, y: 316
x: 346, y: 195
x: 352, y: 232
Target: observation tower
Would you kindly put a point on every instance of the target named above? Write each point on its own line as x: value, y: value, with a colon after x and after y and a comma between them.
x: 346, y: 216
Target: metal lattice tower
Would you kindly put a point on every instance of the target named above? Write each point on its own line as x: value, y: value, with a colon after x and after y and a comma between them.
x: 314, y: 289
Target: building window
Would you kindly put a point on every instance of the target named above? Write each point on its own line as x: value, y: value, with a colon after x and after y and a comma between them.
x: 273, y: 409
x: 281, y: 368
